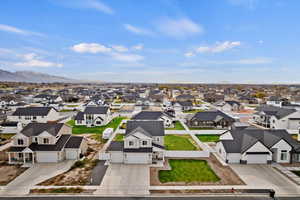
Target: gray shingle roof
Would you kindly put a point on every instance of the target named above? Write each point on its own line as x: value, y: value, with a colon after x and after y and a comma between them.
x: 213, y: 115
x: 34, y: 129
x: 153, y: 127
x: 96, y: 110
x: 115, y: 146
x: 149, y: 115
x: 74, y: 142
x: 32, y: 111
x: 244, y: 139
x: 276, y: 111
x: 79, y: 116
x: 60, y: 144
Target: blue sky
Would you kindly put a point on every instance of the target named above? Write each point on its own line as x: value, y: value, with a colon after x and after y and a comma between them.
x: 215, y: 41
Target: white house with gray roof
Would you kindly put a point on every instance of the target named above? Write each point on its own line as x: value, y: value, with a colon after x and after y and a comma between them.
x: 93, y: 116
x: 27, y: 115
x: 278, y: 118
x: 156, y: 115
x: 46, y: 142
x: 143, y: 143
x: 258, y: 146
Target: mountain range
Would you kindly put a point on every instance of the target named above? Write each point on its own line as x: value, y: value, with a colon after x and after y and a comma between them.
x: 34, y: 77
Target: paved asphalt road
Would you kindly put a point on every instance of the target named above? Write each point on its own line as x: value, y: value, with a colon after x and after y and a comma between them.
x: 145, y: 198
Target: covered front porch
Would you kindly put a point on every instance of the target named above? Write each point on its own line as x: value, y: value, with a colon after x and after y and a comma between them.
x: 27, y: 156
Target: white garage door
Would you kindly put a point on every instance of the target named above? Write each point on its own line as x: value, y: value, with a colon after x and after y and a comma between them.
x: 257, y: 158
x: 137, y: 158
x: 71, y: 154
x: 116, y: 157
x: 46, y: 156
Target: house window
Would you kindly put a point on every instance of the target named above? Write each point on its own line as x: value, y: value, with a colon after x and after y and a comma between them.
x: 157, y: 139
x: 34, y: 117
x: 283, y: 155
x: 46, y: 140
x: 144, y: 143
x: 20, y: 142
x: 130, y: 143
x: 27, y: 118
x: 36, y: 139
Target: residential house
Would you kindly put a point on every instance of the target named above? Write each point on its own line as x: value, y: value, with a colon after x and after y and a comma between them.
x: 258, y: 146
x: 34, y: 114
x: 275, y: 101
x: 46, y: 143
x: 155, y: 115
x: 93, y: 116
x: 210, y: 119
x: 181, y: 106
x: 229, y: 106
x: 277, y: 118
x: 143, y: 143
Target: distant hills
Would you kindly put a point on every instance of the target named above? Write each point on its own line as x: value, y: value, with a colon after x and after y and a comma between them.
x: 34, y: 77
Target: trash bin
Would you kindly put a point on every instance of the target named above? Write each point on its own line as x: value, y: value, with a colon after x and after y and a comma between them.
x: 272, y: 193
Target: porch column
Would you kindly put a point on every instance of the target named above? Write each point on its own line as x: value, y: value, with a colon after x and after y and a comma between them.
x: 24, y: 159
x: 9, y: 158
x: 32, y: 158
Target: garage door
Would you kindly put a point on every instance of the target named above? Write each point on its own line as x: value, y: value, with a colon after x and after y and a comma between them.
x: 257, y: 158
x: 46, y: 156
x: 71, y: 154
x: 137, y: 158
x: 116, y: 157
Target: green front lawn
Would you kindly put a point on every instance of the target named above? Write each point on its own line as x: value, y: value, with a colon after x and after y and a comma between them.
x: 208, y: 138
x: 177, y: 126
x: 114, y: 123
x: 180, y: 143
x: 188, y: 171
x: 119, y: 138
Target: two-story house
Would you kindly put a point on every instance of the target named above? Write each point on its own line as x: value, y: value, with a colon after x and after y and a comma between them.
x: 143, y: 143
x: 46, y: 142
x: 277, y: 118
x: 155, y: 115
x: 34, y: 114
x: 93, y: 116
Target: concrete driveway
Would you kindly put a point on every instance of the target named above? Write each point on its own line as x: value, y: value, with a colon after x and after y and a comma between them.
x: 121, y: 179
x: 266, y: 177
x: 39, y: 172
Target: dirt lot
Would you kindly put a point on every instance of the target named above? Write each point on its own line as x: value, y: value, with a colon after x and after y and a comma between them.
x: 80, y: 172
x: 9, y: 173
x: 225, y: 173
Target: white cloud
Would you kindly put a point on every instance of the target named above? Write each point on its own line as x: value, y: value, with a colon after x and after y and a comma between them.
x: 127, y: 57
x: 32, y: 60
x: 137, y: 30
x: 5, y: 51
x: 218, y: 47
x: 12, y: 29
x: 116, y: 52
x: 86, y: 4
x: 189, y: 54
x: 138, y: 47
x: 90, y: 48
x: 179, y: 28
x: 119, y: 48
